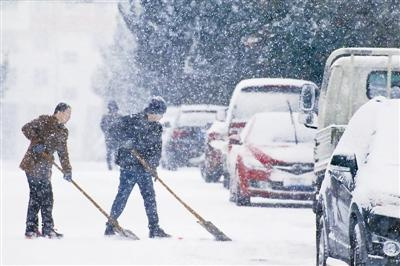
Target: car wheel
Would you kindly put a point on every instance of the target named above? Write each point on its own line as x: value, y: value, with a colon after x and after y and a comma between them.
x: 170, y: 166
x: 322, y: 242
x: 226, y: 180
x: 358, y: 246
x: 241, y: 200
x: 211, y: 176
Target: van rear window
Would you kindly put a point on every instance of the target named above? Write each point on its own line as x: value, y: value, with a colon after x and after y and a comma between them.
x: 280, y: 89
x: 377, y: 84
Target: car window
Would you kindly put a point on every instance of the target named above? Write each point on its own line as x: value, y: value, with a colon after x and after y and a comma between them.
x: 252, y: 100
x: 377, y: 84
x: 196, y: 118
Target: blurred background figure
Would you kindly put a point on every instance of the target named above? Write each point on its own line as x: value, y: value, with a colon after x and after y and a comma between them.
x: 107, y: 121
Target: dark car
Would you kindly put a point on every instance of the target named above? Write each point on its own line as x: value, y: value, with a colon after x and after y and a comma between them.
x: 358, y: 207
x: 212, y: 166
x: 185, y: 146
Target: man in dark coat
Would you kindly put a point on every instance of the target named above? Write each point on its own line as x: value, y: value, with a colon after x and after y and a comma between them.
x: 47, y: 134
x: 141, y: 132
x: 106, y: 124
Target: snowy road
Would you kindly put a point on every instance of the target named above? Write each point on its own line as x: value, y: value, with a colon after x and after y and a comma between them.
x: 261, y: 234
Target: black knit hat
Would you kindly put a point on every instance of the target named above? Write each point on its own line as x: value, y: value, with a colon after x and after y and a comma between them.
x: 157, y: 105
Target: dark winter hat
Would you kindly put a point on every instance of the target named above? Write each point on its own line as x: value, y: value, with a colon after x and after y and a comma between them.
x: 112, y: 106
x: 157, y: 105
x: 61, y: 107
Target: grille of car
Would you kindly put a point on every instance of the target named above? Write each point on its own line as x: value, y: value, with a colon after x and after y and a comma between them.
x: 295, y: 168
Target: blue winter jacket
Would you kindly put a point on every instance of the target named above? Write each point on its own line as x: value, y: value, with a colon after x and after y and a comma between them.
x: 137, y: 132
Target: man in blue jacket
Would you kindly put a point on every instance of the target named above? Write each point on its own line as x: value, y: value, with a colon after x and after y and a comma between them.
x: 142, y: 132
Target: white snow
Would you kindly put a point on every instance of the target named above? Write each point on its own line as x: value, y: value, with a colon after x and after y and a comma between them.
x: 261, y: 234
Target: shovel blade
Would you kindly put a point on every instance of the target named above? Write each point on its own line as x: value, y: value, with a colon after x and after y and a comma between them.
x: 126, y: 233
x: 212, y: 229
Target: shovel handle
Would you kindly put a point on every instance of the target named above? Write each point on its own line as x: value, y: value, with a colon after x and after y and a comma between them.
x: 155, y: 175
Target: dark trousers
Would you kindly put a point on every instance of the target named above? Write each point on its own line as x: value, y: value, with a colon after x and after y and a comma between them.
x: 110, y: 153
x: 40, y: 199
x: 127, y: 181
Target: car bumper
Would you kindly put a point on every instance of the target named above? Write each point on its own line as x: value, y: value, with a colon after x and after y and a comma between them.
x: 278, y: 194
x: 380, y: 260
x: 288, y: 187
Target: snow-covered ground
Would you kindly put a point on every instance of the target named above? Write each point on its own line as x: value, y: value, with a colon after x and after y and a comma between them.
x: 262, y: 234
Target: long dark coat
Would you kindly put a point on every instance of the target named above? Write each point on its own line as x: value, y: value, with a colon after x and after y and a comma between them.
x: 45, y: 130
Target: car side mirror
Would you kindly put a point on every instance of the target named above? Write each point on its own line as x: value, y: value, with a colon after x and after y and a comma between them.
x: 235, y: 139
x: 308, y: 119
x: 221, y: 115
x: 345, y: 163
x: 307, y: 97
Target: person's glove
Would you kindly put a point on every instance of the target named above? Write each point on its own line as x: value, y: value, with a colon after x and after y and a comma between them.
x: 68, y: 176
x: 38, y: 148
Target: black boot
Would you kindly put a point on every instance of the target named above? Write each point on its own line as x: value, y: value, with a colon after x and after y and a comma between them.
x: 157, y: 232
x: 109, y: 230
x: 51, y: 233
x: 32, y: 234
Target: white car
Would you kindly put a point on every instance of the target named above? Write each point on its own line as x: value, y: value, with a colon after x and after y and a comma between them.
x: 358, y: 206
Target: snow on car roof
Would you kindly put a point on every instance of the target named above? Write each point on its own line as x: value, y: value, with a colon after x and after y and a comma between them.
x: 369, y: 61
x: 201, y: 107
x: 271, y: 82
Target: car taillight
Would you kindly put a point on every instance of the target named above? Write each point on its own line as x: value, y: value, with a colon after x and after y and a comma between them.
x: 236, y: 127
x: 213, y: 136
x: 179, y: 133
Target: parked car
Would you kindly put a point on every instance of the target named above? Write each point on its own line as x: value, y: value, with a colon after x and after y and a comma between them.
x: 358, y: 207
x: 212, y: 166
x: 352, y: 76
x: 252, y: 96
x: 168, y: 121
x: 185, y: 146
x: 274, y: 159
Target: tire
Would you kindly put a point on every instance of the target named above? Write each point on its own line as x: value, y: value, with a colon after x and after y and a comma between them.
x: 241, y: 200
x: 167, y: 164
x: 210, y: 176
x: 322, y: 243
x: 226, y: 180
x: 359, y: 254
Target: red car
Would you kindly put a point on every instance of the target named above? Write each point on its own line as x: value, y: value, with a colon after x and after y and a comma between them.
x: 274, y: 159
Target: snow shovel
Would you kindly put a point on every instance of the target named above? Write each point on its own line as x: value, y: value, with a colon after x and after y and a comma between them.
x: 114, y: 223
x: 209, y: 226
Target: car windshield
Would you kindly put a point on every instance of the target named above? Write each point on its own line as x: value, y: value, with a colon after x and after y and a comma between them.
x: 253, y: 100
x: 276, y: 128
x: 196, y: 118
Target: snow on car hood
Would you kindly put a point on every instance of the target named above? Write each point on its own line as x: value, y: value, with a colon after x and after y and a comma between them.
x: 379, y: 190
x: 302, y: 152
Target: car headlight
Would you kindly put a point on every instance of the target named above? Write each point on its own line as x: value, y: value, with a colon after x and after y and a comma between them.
x: 252, y: 163
x: 391, y: 248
